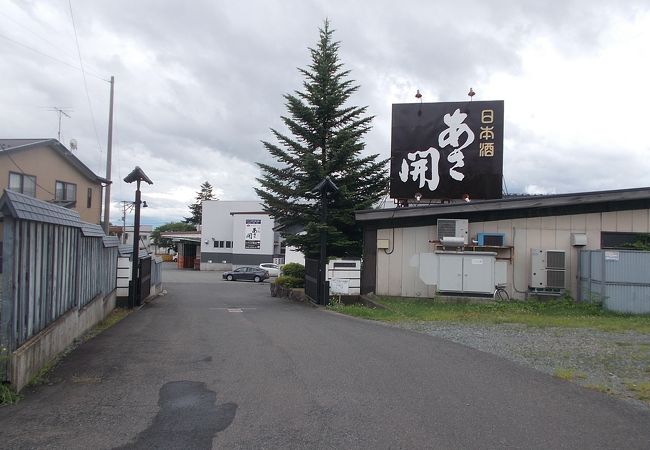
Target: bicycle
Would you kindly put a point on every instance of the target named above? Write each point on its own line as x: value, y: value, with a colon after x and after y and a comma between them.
x: 500, y: 294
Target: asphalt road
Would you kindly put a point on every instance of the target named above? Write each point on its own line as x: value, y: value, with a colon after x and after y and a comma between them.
x: 217, y: 364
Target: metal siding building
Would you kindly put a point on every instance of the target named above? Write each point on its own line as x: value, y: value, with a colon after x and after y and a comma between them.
x: 536, y: 222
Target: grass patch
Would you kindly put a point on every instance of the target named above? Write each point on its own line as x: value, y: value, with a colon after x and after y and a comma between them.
x: 114, y: 317
x: 363, y: 312
x: 563, y: 313
x: 7, y: 395
x: 640, y: 390
x: 568, y: 374
x: 599, y: 388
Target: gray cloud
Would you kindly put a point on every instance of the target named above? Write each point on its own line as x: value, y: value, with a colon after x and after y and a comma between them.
x: 199, y: 84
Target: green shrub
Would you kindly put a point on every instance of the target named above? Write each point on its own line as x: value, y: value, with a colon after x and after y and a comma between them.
x: 289, y: 281
x: 294, y: 270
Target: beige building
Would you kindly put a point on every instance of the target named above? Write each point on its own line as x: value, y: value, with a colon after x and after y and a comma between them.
x: 529, y: 245
x: 47, y: 170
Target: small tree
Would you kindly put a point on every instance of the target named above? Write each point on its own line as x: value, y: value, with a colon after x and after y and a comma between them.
x: 326, y: 139
x: 196, y: 208
x: 171, y: 226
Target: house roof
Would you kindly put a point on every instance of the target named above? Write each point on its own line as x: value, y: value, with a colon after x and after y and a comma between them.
x: 513, y: 207
x: 9, y: 146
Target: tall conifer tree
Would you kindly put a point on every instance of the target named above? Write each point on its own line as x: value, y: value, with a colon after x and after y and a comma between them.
x: 196, y: 208
x: 325, y: 139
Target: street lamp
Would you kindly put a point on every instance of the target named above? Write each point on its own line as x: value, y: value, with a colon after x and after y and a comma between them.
x: 136, y: 175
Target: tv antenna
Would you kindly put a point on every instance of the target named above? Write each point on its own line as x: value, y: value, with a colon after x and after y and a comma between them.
x: 61, y: 112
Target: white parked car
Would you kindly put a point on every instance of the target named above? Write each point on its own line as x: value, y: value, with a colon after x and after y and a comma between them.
x: 272, y: 269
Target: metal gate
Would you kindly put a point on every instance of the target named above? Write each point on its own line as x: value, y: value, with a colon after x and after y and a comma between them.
x: 313, y: 288
x: 145, y: 279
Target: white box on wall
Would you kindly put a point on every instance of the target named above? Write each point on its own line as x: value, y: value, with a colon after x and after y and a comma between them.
x: 578, y: 239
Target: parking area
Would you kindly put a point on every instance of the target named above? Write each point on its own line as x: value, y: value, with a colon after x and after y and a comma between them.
x: 172, y: 274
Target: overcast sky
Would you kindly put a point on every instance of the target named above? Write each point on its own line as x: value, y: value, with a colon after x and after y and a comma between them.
x: 199, y: 84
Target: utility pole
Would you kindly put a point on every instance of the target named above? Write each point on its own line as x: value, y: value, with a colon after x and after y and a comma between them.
x: 109, y: 157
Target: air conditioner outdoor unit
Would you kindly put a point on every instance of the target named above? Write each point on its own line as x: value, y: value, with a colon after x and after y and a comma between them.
x: 491, y: 239
x: 452, y: 228
x: 547, y: 269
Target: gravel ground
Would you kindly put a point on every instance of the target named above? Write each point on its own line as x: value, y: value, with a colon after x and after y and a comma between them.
x: 615, y: 363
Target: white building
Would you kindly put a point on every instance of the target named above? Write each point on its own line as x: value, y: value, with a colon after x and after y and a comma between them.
x: 236, y: 233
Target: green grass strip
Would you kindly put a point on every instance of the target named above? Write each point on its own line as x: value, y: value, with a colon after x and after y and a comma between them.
x: 563, y: 312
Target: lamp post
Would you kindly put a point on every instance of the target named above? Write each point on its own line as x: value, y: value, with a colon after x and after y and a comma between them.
x: 325, y: 186
x: 136, y: 175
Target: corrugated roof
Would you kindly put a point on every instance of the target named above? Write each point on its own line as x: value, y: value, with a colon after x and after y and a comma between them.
x: 25, y: 207
x: 532, y: 203
x: 91, y: 230
x: 127, y: 250
x: 110, y: 241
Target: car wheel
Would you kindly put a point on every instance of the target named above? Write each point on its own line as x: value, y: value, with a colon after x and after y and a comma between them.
x: 229, y: 278
x: 257, y: 279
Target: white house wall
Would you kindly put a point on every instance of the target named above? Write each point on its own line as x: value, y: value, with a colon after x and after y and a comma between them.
x: 397, y: 275
x: 220, y: 224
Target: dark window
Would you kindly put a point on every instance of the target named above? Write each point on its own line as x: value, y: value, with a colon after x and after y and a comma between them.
x: 215, y: 244
x: 65, y: 192
x: 89, y: 201
x: 228, y: 244
x: 221, y: 244
x: 25, y: 184
x: 621, y: 241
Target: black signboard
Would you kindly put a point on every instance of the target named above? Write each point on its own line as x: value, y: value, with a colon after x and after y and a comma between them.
x: 251, y: 245
x: 447, y: 150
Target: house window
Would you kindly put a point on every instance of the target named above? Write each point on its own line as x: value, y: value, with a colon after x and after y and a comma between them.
x: 65, y: 192
x: 216, y: 244
x: 25, y: 184
x: 89, y: 200
x: 228, y: 244
x: 221, y: 244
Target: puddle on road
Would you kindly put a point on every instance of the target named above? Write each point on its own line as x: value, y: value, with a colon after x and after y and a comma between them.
x: 188, y: 418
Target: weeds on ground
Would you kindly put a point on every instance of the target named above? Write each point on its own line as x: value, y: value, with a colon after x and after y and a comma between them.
x: 568, y: 374
x: 7, y: 395
x: 641, y: 390
x: 563, y: 312
x: 599, y: 388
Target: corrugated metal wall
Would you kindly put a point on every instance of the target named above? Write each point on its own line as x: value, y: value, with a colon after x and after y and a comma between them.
x: 97, y: 269
x: 620, y: 279
x: 54, y: 269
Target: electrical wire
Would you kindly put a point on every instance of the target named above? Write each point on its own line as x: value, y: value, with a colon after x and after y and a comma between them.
x: 22, y: 172
x: 83, y: 72
x: 54, y: 58
x: 33, y: 33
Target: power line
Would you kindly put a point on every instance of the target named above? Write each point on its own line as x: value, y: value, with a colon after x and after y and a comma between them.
x: 24, y: 173
x: 54, y: 58
x: 83, y: 72
x: 28, y: 29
